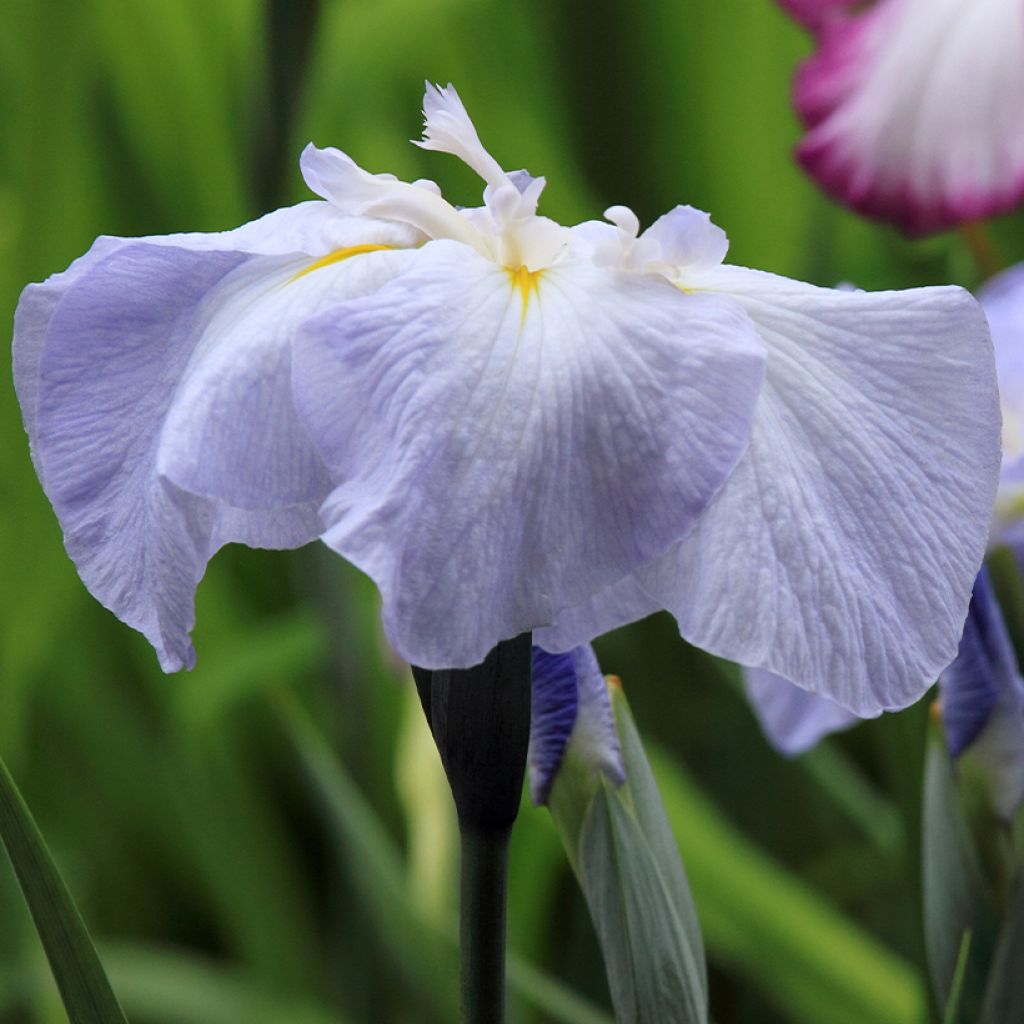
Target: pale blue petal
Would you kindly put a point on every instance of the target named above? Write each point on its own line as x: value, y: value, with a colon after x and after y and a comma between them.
x: 133, y: 401
x: 841, y: 552
x: 623, y: 602
x: 792, y: 719
x: 571, y: 713
x: 1002, y: 298
x: 503, y: 456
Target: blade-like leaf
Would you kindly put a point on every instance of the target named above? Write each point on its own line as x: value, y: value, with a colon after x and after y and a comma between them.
x: 84, y: 988
x: 956, y: 990
x: 652, y: 972
x: 654, y: 824
x: 955, y: 898
x: 1004, y: 993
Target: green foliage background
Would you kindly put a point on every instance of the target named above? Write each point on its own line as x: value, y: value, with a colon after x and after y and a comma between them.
x: 267, y: 839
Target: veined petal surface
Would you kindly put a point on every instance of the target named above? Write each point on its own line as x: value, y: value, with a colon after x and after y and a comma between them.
x: 136, y: 369
x: 915, y: 110
x: 841, y: 552
x: 507, y: 444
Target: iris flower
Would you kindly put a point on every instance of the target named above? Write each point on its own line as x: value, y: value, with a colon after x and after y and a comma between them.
x: 982, y: 693
x: 571, y: 721
x: 512, y: 425
x: 915, y: 108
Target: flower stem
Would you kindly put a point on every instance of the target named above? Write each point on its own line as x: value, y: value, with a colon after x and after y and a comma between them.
x: 482, y: 925
x: 983, y: 247
x: 480, y: 720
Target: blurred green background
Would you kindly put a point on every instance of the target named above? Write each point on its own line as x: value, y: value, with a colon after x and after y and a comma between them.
x: 267, y: 838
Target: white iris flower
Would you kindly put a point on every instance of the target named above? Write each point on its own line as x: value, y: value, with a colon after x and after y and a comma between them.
x: 513, y: 425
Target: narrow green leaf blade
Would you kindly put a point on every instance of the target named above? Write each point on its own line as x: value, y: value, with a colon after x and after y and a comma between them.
x: 652, y: 972
x: 957, y: 990
x: 955, y: 898
x: 654, y: 823
x: 84, y: 988
x: 1004, y: 994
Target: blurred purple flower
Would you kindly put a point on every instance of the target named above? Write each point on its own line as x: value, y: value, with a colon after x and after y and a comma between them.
x: 915, y: 108
x: 983, y: 700
x: 513, y: 425
x: 572, y: 720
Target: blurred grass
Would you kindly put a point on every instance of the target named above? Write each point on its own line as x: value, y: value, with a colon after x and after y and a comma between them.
x: 181, y: 810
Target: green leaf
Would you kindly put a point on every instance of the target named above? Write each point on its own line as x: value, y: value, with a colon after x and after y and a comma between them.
x: 181, y: 988
x: 653, y: 973
x: 811, y: 961
x: 955, y: 897
x: 957, y: 989
x: 84, y: 989
x: 653, y: 821
x: 1004, y: 993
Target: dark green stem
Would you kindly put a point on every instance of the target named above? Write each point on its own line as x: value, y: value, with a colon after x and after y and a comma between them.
x: 480, y: 719
x: 482, y: 925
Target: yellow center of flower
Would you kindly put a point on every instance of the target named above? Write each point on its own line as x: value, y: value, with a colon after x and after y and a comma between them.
x: 338, y: 255
x: 525, y: 282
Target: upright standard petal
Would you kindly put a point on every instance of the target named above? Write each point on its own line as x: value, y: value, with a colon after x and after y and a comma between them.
x: 792, y: 719
x: 572, y: 716
x: 506, y: 443
x: 135, y: 369
x: 841, y: 552
x: 983, y: 699
x: 915, y: 110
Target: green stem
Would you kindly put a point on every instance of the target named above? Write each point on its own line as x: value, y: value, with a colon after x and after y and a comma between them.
x: 983, y: 247
x: 480, y: 720
x: 482, y: 925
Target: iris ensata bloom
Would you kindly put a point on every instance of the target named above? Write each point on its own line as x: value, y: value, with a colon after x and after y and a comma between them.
x: 512, y: 425
x: 915, y: 108
x: 572, y: 725
x: 984, y: 670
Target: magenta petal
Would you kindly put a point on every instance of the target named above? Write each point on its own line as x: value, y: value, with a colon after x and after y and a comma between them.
x: 915, y: 111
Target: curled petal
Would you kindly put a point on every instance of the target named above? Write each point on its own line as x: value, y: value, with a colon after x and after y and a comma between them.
x: 687, y: 240
x: 356, y: 193
x: 841, y: 552
x: 915, y: 111
x: 507, y: 443
x: 792, y: 719
x: 571, y: 712
x: 137, y: 367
